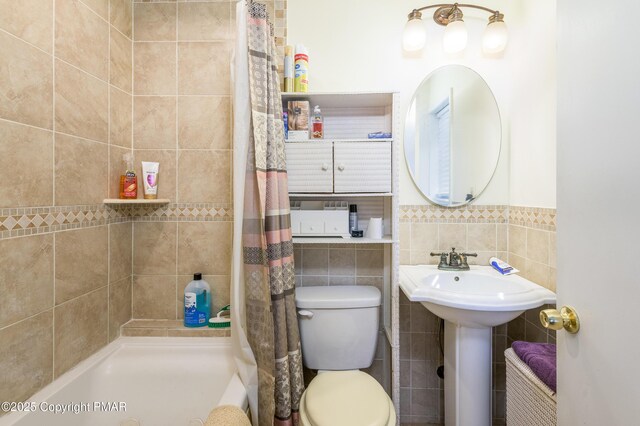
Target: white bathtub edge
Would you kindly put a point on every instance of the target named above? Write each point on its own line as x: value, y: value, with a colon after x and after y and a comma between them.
x: 234, y: 394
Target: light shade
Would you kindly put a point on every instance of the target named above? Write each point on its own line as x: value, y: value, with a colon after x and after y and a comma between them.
x: 414, y: 35
x: 455, y: 37
x: 495, y: 37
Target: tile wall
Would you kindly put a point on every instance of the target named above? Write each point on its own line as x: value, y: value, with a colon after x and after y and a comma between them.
x: 65, y: 258
x: 523, y: 236
x: 346, y: 264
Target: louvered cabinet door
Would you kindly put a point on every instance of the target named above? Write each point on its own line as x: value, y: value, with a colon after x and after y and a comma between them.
x: 310, y: 167
x: 362, y: 167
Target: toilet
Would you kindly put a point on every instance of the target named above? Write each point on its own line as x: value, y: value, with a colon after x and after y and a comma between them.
x: 339, y: 333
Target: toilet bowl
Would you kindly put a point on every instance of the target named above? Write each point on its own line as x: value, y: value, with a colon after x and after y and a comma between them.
x: 346, y: 398
x: 339, y: 332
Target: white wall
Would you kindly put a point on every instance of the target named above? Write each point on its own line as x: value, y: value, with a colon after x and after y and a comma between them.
x: 355, y: 45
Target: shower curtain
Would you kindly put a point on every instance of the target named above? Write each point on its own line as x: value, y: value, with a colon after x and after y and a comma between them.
x: 268, y: 316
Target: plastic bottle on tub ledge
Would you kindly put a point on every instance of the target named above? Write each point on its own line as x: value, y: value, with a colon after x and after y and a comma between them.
x: 197, y: 302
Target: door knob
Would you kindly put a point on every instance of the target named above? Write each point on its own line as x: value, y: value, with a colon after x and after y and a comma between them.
x: 325, y: 167
x: 566, y: 318
x: 341, y: 167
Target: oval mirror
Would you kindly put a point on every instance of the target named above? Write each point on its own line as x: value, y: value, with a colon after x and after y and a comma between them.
x: 452, y: 136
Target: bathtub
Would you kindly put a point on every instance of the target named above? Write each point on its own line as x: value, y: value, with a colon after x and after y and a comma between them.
x: 144, y: 381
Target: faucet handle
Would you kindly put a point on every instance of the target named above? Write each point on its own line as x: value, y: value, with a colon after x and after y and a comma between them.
x: 463, y: 259
x: 443, y: 258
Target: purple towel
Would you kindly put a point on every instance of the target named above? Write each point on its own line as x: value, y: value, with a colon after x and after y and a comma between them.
x: 541, y: 358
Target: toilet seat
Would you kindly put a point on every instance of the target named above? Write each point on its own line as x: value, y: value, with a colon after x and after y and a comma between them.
x: 346, y: 398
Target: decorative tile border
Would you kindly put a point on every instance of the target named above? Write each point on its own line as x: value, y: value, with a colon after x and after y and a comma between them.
x: 465, y: 214
x: 533, y: 217
x: 21, y: 222
x: 183, y: 212
x: 39, y: 220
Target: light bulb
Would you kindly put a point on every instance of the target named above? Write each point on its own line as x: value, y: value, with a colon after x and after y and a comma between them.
x: 495, y: 37
x: 414, y: 35
x: 455, y: 37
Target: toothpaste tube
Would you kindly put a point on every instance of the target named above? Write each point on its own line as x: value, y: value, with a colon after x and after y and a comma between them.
x: 501, y: 266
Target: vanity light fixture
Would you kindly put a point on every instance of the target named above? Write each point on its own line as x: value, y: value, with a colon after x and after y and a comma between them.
x: 414, y: 36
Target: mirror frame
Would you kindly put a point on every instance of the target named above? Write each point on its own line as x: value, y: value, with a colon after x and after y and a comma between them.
x: 495, y: 166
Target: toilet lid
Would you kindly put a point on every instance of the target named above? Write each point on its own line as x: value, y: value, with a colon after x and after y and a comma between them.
x: 346, y: 398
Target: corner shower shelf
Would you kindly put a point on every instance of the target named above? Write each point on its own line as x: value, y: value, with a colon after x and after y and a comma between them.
x: 338, y: 195
x: 140, y: 201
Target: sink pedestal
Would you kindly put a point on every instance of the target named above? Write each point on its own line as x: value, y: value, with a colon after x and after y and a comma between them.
x: 467, y: 375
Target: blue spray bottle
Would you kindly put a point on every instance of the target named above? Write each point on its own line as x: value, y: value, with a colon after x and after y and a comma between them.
x: 197, y: 302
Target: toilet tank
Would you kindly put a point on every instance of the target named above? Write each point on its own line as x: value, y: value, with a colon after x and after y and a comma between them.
x: 338, y: 326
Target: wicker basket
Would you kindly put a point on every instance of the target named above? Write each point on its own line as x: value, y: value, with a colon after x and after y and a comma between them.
x: 529, y: 401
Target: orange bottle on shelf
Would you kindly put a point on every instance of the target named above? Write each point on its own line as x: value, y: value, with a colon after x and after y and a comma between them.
x: 129, y: 180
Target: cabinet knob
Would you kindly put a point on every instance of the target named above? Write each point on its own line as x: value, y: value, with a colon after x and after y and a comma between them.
x: 325, y: 167
x: 341, y: 167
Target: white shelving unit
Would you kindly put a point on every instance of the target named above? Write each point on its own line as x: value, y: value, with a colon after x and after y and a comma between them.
x: 348, y: 119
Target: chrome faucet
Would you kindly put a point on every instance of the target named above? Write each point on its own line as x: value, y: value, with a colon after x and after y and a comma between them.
x: 457, y: 261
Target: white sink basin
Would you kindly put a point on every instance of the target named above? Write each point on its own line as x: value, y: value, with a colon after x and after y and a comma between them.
x: 481, y: 297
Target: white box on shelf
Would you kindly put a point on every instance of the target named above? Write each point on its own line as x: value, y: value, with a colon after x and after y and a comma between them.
x: 298, y: 135
x: 320, y: 218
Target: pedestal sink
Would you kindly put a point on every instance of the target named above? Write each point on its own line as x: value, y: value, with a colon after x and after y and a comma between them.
x: 470, y: 302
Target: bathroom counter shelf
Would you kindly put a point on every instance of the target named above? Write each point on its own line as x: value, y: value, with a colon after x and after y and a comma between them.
x: 329, y: 140
x: 140, y: 201
x: 387, y: 239
x: 320, y: 195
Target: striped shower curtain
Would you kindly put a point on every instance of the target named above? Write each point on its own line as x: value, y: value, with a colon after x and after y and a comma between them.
x: 271, y: 322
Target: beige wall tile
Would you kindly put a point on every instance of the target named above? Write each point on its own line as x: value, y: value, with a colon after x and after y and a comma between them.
x: 144, y: 332
x: 154, y: 68
x: 482, y: 258
x: 220, y: 292
x: 369, y: 263
x: 26, y: 357
x: 101, y: 7
x: 552, y: 250
x: 204, y: 122
x: 203, y: 68
x: 25, y: 179
x: 405, y: 236
x: 31, y: 20
x: 81, y: 329
x: 154, y: 122
x: 204, y: 21
x: 481, y: 237
x: 117, y: 167
x: 82, y: 38
x: 424, y: 237
x: 315, y: 261
x: 452, y: 235
x: 121, y: 60
x: 518, y: 262
x: 342, y: 262
x: 82, y: 104
x: 119, y: 306
x: 154, y: 249
x: 81, y: 262
x: 120, y: 251
x: 26, y: 277
x: 204, y: 247
x: 538, y: 245
x: 405, y: 257
x: 502, y: 237
x: 420, y: 257
x: 518, y: 240
x: 537, y: 272
x: 154, y: 297
x: 154, y: 21
x: 204, y: 177
x: 121, y: 117
x: 166, y: 174
x: 26, y: 79
x: 81, y: 171
x: 121, y: 12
